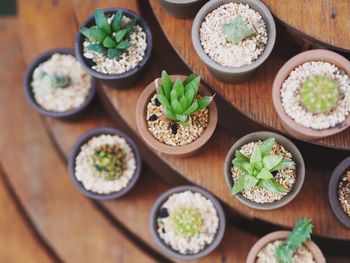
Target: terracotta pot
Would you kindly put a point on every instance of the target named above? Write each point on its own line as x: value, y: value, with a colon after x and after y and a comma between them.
x: 233, y: 74
x: 153, y: 143
x: 333, y: 191
x: 294, y: 129
x: 288, y: 145
x: 125, y: 79
x: 167, y: 249
x: 182, y: 8
x: 76, y: 150
x: 28, y: 90
x: 282, y: 235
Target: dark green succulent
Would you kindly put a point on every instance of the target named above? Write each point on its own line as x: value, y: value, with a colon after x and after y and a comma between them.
x: 237, y: 30
x: 109, y: 38
x: 258, y: 169
x: 300, y: 234
x: 179, y: 98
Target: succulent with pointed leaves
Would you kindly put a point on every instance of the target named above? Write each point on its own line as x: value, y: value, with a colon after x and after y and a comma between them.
x: 237, y: 30
x: 319, y: 94
x: 179, y: 99
x: 258, y: 169
x: 109, y: 38
x: 187, y: 221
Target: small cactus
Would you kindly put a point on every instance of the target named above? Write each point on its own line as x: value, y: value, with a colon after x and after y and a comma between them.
x: 187, y: 221
x: 319, y: 94
x: 111, y: 160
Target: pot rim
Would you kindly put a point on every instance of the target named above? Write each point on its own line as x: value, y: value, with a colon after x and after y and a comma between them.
x: 76, y: 150
x: 167, y: 249
x: 286, y: 143
x: 180, y: 2
x: 277, y: 235
x: 257, y: 6
x: 284, y: 72
x: 333, y: 191
x: 152, y: 142
x: 29, y: 90
x: 80, y: 38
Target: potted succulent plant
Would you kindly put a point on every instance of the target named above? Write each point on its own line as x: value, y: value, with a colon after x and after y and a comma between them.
x: 233, y: 37
x: 264, y: 170
x: 182, y: 8
x: 176, y: 115
x: 287, y: 247
x: 57, y: 86
x: 311, y: 94
x: 104, y: 163
x: 114, y: 46
x: 187, y: 222
x: 339, y: 192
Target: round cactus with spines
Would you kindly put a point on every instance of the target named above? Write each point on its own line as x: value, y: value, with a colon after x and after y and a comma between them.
x: 319, y: 94
x: 187, y: 221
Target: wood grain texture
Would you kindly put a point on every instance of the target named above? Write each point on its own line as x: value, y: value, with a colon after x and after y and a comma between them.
x: 254, y: 97
x: 324, y: 21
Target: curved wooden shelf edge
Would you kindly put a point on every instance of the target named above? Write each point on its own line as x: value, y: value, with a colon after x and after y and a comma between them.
x: 237, y: 97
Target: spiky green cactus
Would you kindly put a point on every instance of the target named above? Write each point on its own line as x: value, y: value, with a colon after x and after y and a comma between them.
x: 187, y: 221
x: 319, y: 94
x: 111, y: 160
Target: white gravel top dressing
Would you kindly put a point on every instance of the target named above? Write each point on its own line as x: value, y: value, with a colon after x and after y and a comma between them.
x: 223, y: 51
x: 208, y: 227
x: 267, y: 254
x: 94, y: 180
x: 60, y: 99
x: 128, y: 60
x: 291, y: 102
x: 286, y: 177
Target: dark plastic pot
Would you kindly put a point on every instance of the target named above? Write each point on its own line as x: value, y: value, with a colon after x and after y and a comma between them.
x: 182, y: 8
x: 167, y: 249
x: 76, y: 150
x: 233, y: 74
x: 288, y: 145
x: 30, y: 95
x: 125, y: 79
x: 333, y: 191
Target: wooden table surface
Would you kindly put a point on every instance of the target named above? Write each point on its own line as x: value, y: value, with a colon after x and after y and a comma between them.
x: 46, y: 218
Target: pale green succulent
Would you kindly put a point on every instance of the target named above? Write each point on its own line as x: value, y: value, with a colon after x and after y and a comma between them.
x: 187, y: 221
x: 55, y: 80
x: 319, y: 94
x: 237, y: 30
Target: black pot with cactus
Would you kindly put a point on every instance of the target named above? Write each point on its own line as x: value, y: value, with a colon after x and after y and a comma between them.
x: 110, y: 38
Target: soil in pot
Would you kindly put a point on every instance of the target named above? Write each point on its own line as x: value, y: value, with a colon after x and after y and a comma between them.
x: 267, y: 179
x: 187, y: 222
x: 117, y: 45
x: 344, y: 192
x: 105, y: 164
x: 316, y: 95
x: 233, y: 35
x: 60, y: 84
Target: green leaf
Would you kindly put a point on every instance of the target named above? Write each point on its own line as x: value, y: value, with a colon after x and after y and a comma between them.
x: 266, y: 146
x: 160, y: 90
x: 256, y: 157
x: 239, y: 155
x: 101, y: 21
x: 164, y: 101
x: 238, y: 186
x: 131, y: 25
x: 272, y: 186
x: 204, y: 102
x: 167, y: 84
x: 120, y: 35
x: 117, y: 21
x: 173, y: 94
x: 248, y: 167
x: 191, y: 109
x: 193, y: 84
x: 182, y: 118
x: 175, y: 104
x: 108, y: 42
x: 183, y: 102
x: 190, y: 78
x: 239, y: 164
x: 179, y: 87
x: 113, y: 53
x: 237, y: 30
x: 96, y: 48
x: 250, y: 181
x: 264, y: 174
x: 189, y: 95
x: 60, y: 81
x: 169, y: 114
x: 284, y: 254
x: 86, y: 32
x: 97, y: 34
x: 123, y: 45
x: 271, y: 161
x: 284, y: 164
